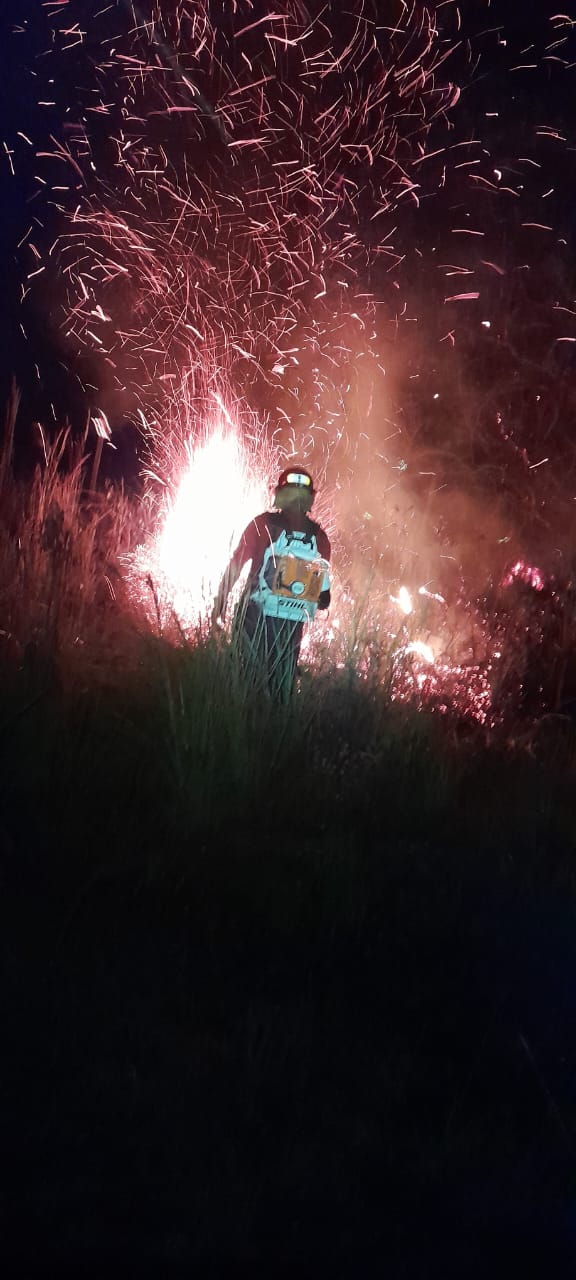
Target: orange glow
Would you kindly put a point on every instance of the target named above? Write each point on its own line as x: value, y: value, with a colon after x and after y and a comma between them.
x: 404, y: 601
x: 222, y: 487
x: 421, y: 650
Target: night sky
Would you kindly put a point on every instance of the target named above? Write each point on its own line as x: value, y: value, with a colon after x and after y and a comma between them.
x: 516, y: 115
x: 289, y: 980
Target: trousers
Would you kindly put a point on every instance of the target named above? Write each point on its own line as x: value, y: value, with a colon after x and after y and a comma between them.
x: 269, y: 648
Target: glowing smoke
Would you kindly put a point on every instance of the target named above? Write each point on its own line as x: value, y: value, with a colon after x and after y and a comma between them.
x: 244, y: 198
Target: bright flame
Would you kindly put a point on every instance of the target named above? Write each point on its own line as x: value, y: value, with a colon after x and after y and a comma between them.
x: 421, y: 650
x: 220, y: 490
x: 404, y: 601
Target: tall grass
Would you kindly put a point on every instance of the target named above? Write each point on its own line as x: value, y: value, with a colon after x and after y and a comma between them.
x: 255, y: 954
x: 60, y: 547
x: 176, y: 713
x: 101, y: 700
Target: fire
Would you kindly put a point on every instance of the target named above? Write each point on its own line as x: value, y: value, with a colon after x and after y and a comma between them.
x: 404, y: 601
x: 222, y: 480
x: 422, y: 650
x: 224, y: 227
x: 221, y: 487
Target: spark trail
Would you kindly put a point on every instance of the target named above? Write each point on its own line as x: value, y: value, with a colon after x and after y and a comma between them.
x: 239, y: 159
x: 306, y: 212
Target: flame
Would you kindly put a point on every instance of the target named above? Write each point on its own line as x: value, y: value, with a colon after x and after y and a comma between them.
x: 220, y: 489
x: 222, y: 482
x: 404, y: 601
x: 421, y: 650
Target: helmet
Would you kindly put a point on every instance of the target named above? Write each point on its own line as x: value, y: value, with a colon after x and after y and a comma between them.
x: 296, y: 477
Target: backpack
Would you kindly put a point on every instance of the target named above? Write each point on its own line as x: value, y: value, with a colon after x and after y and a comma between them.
x: 292, y: 577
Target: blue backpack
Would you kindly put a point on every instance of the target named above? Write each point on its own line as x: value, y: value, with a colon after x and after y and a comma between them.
x: 292, y: 577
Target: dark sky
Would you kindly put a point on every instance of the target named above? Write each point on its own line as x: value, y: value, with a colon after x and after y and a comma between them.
x: 503, y: 103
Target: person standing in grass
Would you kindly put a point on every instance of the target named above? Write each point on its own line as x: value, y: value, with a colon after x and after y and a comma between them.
x: 288, y: 582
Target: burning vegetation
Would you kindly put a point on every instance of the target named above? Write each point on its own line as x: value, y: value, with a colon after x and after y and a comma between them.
x: 286, y: 981
x: 289, y: 234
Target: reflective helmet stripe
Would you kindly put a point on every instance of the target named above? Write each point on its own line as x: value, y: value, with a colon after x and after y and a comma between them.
x: 296, y: 476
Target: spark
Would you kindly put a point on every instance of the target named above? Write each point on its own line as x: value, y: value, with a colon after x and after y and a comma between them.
x: 530, y: 575
x: 243, y: 229
x: 102, y: 426
x: 404, y: 601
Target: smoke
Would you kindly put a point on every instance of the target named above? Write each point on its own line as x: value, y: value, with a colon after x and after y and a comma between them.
x: 354, y: 240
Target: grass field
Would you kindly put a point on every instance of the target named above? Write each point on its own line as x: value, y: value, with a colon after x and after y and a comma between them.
x: 283, y: 987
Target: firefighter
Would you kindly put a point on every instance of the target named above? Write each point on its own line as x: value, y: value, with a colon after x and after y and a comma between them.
x: 288, y: 582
